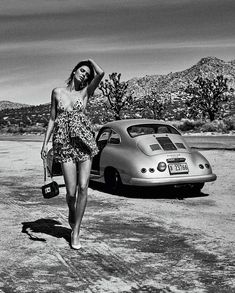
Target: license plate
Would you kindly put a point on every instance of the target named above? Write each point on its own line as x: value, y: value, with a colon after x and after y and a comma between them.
x: 178, y: 168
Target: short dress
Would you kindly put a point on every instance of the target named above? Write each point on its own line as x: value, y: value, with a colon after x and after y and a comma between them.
x: 73, y: 137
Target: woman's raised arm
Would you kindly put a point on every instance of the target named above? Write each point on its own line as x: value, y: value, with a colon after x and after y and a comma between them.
x: 99, y: 74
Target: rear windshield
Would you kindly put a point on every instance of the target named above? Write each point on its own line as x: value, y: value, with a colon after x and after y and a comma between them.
x: 144, y: 129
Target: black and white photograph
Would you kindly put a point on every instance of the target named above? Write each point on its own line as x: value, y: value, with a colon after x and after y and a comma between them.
x: 117, y: 146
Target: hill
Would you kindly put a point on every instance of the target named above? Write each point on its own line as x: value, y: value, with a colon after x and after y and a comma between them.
x: 26, y: 116
x: 11, y: 105
x: 175, y: 83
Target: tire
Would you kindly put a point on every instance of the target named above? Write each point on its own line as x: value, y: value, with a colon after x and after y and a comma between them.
x: 198, y: 186
x: 112, y: 180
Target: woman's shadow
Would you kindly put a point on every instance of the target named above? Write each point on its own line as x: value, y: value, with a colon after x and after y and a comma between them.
x: 46, y: 226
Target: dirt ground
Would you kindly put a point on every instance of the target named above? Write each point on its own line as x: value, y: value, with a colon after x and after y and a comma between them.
x: 144, y: 240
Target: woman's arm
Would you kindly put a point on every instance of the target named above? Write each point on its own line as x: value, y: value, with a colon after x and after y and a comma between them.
x: 51, y: 123
x: 99, y: 74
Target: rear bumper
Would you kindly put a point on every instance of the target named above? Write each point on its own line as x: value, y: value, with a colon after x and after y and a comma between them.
x: 172, y: 181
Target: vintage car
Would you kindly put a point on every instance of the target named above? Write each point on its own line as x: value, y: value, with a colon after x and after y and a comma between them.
x: 146, y: 152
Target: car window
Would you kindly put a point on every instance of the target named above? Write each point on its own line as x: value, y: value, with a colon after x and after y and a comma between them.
x: 144, y: 129
x: 163, y: 129
x: 103, y: 138
x: 114, y: 138
x: 104, y: 135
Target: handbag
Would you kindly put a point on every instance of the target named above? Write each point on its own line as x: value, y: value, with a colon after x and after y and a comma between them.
x: 51, y: 189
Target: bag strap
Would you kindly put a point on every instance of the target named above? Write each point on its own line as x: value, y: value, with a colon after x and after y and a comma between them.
x: 46, y: 171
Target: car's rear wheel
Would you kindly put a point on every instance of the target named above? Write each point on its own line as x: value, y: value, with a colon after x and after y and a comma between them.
x: 197, y: 186
x: 112, y: 180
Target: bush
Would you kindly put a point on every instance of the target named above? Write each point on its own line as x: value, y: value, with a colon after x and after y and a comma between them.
x: 223, y: 126
x: 13, y: 129
x: 230, y: 123
x: 188, y: 125
x: 215, y: 126
x: 34, y: 129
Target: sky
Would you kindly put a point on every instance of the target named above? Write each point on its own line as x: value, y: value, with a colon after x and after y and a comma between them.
x: 42, y: 40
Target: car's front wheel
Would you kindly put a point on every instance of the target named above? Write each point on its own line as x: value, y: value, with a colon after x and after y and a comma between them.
x: 112, y: 180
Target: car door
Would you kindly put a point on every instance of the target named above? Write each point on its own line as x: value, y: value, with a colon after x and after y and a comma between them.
x: 102, y: 140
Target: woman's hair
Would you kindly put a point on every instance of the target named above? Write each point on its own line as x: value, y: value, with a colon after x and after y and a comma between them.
x: 80, y: 64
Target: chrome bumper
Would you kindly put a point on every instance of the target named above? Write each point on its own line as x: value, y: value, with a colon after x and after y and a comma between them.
x: 172, y: 181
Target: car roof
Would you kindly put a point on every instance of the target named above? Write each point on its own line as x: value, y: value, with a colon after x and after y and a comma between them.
x: 125, y: 123
x: 121, y: 126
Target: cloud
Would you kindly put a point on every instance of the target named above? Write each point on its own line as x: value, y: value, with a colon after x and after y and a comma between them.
x: 135, y: 20
x: 104, y: 44
x: 41, y: 40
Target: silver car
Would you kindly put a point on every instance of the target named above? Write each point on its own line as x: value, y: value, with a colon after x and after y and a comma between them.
x: 146, y: 152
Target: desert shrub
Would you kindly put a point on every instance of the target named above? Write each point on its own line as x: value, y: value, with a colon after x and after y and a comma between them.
x: 214, y: 126
x: 34, y: 129
x: 13, y: 129
x: 199, y: 123
x: 4, y: 130
x: 224, y: 125
x: 208, y: 127
x: 188, y: 125
x: 230, y: 123
x: 21, y: 130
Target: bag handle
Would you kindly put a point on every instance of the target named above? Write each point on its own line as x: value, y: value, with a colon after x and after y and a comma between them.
x: 46, y: 171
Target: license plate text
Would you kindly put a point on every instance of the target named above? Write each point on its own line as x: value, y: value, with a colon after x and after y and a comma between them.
x: 178, y: 168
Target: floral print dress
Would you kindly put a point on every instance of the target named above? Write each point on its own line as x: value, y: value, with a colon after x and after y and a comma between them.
x: 73, y: 137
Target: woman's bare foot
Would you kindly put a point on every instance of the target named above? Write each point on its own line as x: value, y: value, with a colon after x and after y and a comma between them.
x: 75, y: 242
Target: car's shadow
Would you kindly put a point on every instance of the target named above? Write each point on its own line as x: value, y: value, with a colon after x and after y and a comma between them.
x: 159, y: 192
x: 45, y: 226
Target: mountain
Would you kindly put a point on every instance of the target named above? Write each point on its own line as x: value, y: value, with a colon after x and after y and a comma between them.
x: 29, y: 115
x: 172, y: 83
x: 11, y: 105
x: 175, y: 83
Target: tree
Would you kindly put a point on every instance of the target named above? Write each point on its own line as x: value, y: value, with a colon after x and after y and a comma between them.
x: 208, y: 98
x: 99, y: 110
x: 117, y: 94
x: 154, y: 104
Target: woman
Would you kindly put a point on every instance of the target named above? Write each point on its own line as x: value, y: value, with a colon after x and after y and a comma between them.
x: 73, y: 138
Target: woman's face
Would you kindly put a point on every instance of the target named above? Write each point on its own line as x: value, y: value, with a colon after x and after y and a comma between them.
x: 82, y: 74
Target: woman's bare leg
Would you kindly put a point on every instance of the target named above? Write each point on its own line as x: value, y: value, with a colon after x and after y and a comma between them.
x: 84, y: 169
x: 70, y: 179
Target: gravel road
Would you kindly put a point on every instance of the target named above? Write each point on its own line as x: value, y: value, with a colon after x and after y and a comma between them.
x: 144, y: 240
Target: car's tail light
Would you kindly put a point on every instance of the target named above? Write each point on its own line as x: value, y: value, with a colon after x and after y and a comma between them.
x: 201, y: 166
x: 151, y: 170
x: 143, y: 170
x: 207, y: 166
x: 161, y: 166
